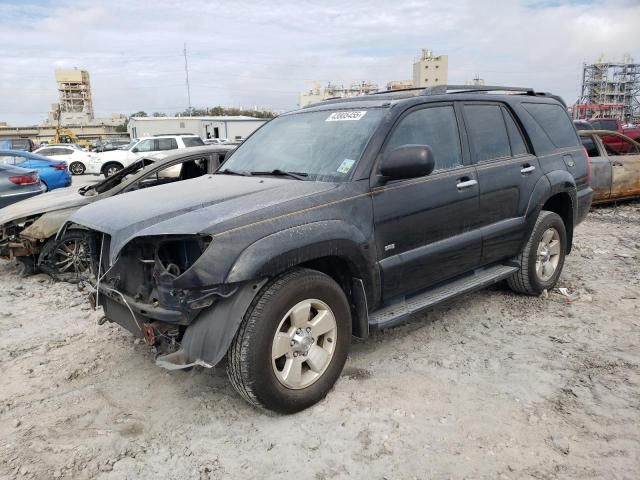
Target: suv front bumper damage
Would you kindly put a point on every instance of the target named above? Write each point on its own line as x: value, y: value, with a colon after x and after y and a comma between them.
x: 186, y: 336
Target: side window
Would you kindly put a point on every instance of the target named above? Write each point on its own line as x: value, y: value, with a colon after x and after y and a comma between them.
x: 66, y: 151
x: 518, y: 145
x: 555, y: 122
x: 167, y: 144
x: 146, y: 145
x: 47, y: 152
x: 487, y: 132
x: 590, y: 146
x: 433, y: 126
x: 616, y: 146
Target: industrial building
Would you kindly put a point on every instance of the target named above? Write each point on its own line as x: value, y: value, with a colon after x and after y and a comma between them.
x: 232, y: 128
x: 73, y: 111
x: 75, y: 105
x: 610, y: 90
x: 318, y: 94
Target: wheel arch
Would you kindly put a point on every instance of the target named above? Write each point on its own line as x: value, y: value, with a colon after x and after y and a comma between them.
x: 332, y: 247
x: 555, y: 192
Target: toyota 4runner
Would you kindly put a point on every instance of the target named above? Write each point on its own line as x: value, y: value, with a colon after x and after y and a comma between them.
x: 338, y: 219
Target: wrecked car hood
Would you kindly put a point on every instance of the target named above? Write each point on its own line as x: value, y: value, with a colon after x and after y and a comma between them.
x: 204, y: 205
x: 47, y: 202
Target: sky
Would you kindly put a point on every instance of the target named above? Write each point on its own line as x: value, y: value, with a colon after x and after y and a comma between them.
x: 264, y: 53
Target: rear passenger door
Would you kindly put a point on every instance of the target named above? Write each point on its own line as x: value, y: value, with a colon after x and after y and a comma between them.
x: 424, y: 226
x: 507, y: 174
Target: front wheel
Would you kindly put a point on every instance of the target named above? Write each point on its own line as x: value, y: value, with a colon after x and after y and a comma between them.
x: 542, y: 258
x: 292, y: 343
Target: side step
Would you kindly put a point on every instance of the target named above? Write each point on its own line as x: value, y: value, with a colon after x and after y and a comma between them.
x: 394, y: 314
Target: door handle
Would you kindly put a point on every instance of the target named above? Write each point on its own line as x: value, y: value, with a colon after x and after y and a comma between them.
x: 464, y: 183
x: 527, y: 169
x: 616, y: 164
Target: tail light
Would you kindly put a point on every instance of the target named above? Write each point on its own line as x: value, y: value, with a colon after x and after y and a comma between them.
x: 586, y: 156
x: 31, y: 179
x: 59, y: 166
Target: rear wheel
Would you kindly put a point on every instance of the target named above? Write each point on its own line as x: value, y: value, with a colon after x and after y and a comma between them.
x: 292, y: 343
x: 111, y: 169
x: 77, y: 168
x: 542, y: 259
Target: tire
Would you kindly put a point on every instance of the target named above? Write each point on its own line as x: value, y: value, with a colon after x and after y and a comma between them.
x: 77, y: 168
x: 111, y: 168
x: 254, y: 367
x: 68, y: 257
x: 534, y: 277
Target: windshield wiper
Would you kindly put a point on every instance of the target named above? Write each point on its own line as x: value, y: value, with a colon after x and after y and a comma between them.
x: 282, y: 173
x: 234, y: 172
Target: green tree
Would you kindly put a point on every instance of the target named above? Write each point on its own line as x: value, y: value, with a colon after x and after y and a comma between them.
x: 141, y: 113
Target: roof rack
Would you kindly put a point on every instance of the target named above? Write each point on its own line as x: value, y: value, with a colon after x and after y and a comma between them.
x: 442, y: 89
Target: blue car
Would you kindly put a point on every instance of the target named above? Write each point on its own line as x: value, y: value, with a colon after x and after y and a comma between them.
x: 53, y: 173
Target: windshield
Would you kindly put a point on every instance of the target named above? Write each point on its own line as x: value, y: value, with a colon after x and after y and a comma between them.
x: 321, y: 146
x: 129, y: 145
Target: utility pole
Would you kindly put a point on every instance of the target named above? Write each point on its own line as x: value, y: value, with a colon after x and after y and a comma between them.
x: 186, y: 71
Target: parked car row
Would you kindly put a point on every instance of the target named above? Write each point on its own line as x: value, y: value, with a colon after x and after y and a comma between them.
x: 334, y: 220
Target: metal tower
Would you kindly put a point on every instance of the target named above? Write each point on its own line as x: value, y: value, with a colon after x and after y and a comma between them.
x: 610, y: 90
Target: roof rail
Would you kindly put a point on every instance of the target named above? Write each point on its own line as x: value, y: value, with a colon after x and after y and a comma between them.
x: 442, y: 89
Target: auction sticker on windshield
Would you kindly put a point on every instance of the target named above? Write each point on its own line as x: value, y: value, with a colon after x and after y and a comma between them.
x: 345, y: 116
x: 346, y: 165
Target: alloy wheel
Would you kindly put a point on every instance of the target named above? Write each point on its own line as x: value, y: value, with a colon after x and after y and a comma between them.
x: 548, y: 254
x: 304, y: 344
x: 71, y: 256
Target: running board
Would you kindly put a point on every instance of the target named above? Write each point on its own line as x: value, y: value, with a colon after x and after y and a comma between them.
x: 394, y: 314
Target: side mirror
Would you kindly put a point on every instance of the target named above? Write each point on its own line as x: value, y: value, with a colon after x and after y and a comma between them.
x: 407, y: 161
x: 135, y: 150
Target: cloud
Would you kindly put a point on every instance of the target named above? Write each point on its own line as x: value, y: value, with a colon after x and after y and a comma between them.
x: 264, y: 53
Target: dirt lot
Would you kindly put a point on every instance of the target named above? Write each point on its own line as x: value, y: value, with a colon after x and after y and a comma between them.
x: 493, y: 385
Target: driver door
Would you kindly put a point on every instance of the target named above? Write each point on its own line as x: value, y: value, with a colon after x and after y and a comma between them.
x: 425, y: 228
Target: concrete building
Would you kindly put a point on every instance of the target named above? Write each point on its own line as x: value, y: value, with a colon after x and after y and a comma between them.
x: 318, y: 94
x: 75, y: 104
x: 430, y: 70
x: 232, y: 128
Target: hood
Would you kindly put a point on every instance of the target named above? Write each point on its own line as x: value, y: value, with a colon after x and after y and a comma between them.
x: 204, y: 205
x: 47, y: 202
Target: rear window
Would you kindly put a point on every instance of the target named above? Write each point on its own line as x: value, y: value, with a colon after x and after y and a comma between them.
x: 555, y: 123
x: 20, y: 144
x: 192, y: 141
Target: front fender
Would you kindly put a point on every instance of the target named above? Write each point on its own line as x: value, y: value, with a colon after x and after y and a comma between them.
x: 285, y: 249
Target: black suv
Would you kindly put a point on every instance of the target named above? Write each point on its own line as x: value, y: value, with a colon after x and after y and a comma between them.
x: 337, y: 219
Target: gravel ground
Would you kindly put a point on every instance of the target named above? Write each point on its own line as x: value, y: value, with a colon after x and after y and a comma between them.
x: 493, y: 385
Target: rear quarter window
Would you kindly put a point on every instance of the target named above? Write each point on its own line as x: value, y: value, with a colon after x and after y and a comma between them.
x: 192, y: 141
x: 555, y: 123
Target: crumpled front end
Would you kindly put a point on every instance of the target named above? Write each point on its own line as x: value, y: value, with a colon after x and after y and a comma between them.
x: 139, y: 292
